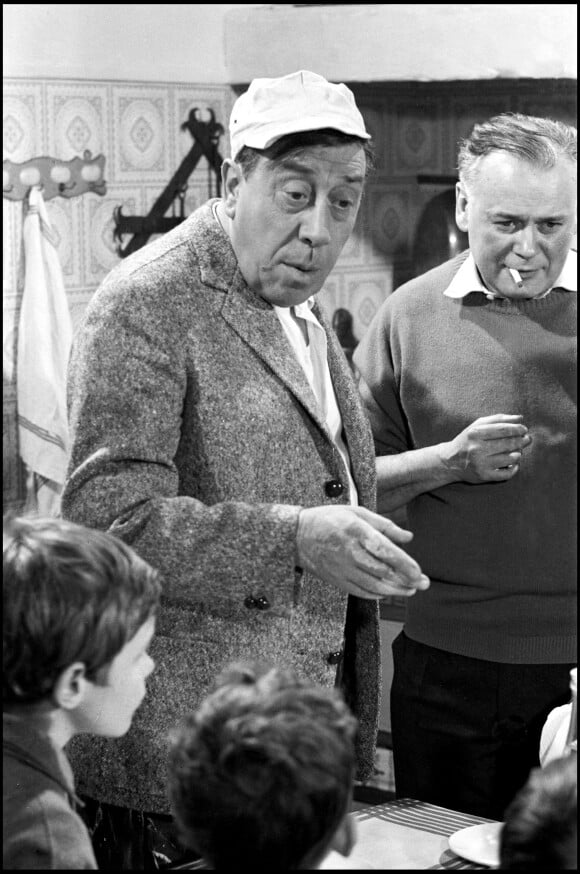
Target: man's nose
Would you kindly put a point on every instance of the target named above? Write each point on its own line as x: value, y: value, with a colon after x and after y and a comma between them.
x: 525, y: 242
x: 314, y: 227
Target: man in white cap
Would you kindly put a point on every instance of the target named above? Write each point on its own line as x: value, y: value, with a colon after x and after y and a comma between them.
x: 216, y: 428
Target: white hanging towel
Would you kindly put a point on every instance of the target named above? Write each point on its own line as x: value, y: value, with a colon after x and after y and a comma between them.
x: 44, y: 341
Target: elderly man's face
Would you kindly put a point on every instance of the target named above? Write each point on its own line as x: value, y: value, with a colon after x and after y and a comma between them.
x: 292, y: 216
x: 521, y: 216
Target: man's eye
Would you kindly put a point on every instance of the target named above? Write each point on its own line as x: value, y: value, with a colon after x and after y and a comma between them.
x: 296, y: 196
x: 549, y: 227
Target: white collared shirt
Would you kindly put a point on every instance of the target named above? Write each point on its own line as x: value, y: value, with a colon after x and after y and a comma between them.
x: 467, y: 279
x: 312, y: 357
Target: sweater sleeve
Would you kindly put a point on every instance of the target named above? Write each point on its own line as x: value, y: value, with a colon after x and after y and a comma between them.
x: 378, y: 386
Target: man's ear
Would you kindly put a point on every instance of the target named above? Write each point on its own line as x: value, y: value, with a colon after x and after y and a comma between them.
x: 231, y: 178
x: 70, y: 688
x: 461, y: 204
x: 344, y: 837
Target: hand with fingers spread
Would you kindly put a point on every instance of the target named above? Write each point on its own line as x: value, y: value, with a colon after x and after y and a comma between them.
x: 357, y: 551
x: 490, y: 449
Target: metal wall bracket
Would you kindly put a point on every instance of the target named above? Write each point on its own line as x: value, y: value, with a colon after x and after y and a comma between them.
x: 205, y: 144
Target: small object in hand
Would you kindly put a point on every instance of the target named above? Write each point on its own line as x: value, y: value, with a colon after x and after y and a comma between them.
x: 516, y: 277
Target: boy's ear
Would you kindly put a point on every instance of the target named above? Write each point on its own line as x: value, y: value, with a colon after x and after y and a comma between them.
x: 231, y: 179
x: 344, y: 837
x: 70, y: 688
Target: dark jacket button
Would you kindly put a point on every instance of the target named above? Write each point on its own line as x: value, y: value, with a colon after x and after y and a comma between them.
x: 250, y: 602
x: 262, y: 603
x: 333, y: 658
x: 333, y: 488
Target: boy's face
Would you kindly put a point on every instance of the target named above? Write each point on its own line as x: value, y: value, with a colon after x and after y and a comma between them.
x: 108, y: 709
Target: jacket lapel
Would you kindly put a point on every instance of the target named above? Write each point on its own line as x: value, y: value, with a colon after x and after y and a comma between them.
x: 257, y: 324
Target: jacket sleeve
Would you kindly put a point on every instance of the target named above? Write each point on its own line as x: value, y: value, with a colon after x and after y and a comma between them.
x: 48, y: 835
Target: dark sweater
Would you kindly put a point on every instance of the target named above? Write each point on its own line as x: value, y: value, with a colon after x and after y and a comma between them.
x: 501, y: 556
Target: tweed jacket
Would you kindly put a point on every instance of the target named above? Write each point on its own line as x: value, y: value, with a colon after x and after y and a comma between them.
x: 197, y: 439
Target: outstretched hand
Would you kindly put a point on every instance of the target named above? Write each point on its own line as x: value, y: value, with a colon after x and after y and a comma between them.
x: 357, y: 551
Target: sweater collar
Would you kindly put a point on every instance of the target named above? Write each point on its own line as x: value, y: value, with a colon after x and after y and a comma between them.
x: 468, y: 280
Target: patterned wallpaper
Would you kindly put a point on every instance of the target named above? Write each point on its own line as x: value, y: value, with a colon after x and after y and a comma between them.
x: 137, y: 127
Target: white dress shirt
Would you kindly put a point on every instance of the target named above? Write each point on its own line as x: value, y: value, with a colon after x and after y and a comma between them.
x: 312, y: 356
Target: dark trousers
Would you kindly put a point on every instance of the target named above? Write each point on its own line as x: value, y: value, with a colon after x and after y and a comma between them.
x: 466, y: 732
x: 131, y: 840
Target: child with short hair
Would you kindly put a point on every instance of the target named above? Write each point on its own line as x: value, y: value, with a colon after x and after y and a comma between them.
x: 541, y: 822
x: 78, y: 616
x: 261, y: 775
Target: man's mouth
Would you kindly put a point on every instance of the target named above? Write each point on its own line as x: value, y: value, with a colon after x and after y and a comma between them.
x: 303, y: 268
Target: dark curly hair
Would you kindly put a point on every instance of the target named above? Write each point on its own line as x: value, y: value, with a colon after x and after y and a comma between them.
x: 261, y: 775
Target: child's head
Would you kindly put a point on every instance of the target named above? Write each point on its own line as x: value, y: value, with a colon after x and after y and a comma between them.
x: 541, y: 823
x: 261, y: 775
x: 78, y: 614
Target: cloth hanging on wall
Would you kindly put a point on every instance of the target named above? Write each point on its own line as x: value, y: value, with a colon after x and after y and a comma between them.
x: 44, y: 341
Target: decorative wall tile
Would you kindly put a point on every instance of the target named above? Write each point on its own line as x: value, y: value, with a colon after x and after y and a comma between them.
x: 11, y: 243
x: 374, y: 118
x: 414, y: 127
x: 359, y: 292
x: 98, y: 228
x: 64, y: 217
x: 142, y: 135
x: 467, y: 112
x: 390, y: 216
x: 543, y: 106
x: 23, y: 120
x: 77, y: 119
x: 364, y: 292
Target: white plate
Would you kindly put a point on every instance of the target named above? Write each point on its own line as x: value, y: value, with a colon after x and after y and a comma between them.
x: 478, y: 843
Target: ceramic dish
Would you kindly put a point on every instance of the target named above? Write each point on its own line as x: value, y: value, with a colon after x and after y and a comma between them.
x: 478, y: 843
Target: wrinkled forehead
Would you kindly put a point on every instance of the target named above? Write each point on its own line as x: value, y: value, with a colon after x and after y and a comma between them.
x: 346, y: 163
x: 508, y: 177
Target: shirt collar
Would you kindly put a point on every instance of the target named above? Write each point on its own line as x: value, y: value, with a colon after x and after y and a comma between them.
x: 302, y: 310
x: 467, y: 278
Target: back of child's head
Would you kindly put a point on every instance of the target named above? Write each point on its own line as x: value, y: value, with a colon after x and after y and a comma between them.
x: 261, y: 775
x: 70, y: 594
x: 541, y: 823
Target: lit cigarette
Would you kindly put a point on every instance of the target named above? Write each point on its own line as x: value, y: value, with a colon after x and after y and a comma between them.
x: 516, y: 277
